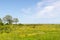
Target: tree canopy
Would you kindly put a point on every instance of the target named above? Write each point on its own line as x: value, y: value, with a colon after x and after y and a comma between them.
x: 9, y: 19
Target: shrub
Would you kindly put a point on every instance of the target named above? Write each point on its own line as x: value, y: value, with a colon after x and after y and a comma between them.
x: 5, y: 29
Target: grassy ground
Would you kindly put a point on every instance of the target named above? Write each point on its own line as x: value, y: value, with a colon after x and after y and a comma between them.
x: 32, y: 32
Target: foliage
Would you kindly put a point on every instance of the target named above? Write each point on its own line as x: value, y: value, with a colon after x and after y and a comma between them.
x: 8, y: 19
x: 15, y: 20
x: 0, y: 20
x: 1, y: 23
x: 5, y: 29
x: 27, y: 32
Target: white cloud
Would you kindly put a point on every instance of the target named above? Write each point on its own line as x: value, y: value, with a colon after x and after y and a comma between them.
x: 52, y: 10
x: 45, y: 12
x: 49, y: 11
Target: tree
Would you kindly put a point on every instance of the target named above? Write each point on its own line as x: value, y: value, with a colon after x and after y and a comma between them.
x: 8, y: 19
x: 15, y: 20
x: 0, y: 20
x: 1, y: 23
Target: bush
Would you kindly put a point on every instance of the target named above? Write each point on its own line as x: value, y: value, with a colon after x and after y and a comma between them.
x: 5, y: 29
x: 2, y: 24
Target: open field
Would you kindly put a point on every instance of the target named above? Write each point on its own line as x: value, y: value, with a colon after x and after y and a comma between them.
x: 30, y: 32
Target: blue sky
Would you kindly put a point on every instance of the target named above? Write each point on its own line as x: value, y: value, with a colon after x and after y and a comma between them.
x: 32, y: 11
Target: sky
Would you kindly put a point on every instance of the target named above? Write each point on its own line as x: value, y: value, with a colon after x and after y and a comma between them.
x: 32, y: 11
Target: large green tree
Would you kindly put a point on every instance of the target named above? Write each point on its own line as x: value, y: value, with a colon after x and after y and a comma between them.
x: 8, y: 19
x: 15, y: 20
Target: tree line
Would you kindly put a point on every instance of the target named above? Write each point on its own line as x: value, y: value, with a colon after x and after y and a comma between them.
x: 8, y: 19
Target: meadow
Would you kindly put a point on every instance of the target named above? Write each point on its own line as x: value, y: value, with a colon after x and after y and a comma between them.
x: 30, y: 32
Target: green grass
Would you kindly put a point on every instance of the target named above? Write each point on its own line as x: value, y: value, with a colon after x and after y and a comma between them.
x: 32, y: 32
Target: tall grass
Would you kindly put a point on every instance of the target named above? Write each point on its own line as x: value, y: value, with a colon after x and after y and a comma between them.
x: 30, y: 32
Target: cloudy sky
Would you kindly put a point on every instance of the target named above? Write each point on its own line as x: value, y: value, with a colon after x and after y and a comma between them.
x: 32, y: 11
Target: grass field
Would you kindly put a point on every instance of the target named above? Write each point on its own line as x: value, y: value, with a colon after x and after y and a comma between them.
x: 32, y: 32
